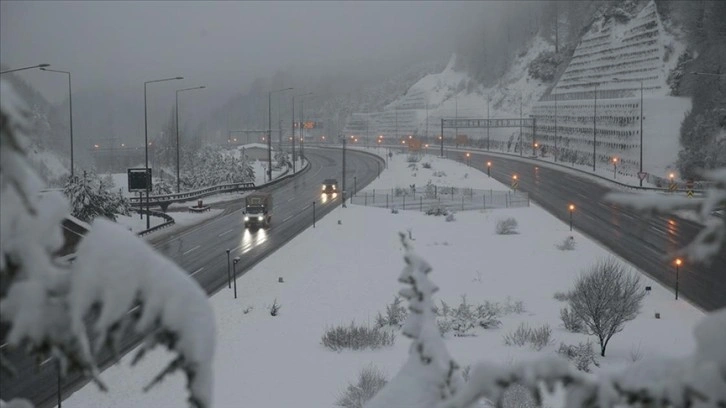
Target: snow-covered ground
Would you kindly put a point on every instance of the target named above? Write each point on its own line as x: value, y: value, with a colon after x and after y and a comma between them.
x: 346, y: 269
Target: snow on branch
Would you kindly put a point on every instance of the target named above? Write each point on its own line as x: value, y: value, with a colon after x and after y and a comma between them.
x: 114, y: 270
x: 116, y: 282
x: 430, y: 375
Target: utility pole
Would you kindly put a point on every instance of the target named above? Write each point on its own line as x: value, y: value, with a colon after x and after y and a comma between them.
x: 293, y: 134
x: 344, y: 141
x: 442, y: 137
x: 456, y: 116
x: 521, y: 144
x: 489, y: 99
x: 427, y: 121
x: 594, y: 131
x: 556, y: 128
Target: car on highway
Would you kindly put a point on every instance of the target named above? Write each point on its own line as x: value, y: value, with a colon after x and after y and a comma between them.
x: 330, y: 186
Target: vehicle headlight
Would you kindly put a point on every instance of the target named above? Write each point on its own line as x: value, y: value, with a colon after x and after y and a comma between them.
x: 259, y: 218
x: 323, y: 188
x: 247, y: 218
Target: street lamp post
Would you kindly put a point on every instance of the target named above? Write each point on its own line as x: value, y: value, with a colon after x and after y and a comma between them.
x: 302, y: 129
x: 678, y: 265
x: 229, y: 272
x: 70, y: 107
x: 146, y: 146
x: 176, y: 109
x: 344, y: 141
x: 489, y: 169
x: 521, y: 145
x: 269, y: 131
x: 24, y: 68
x: 615, y: 167
x: 468, y: 161
x: 594, y: 131
x: 294, y: 157
x: 489, y: 99
x: 234, y: 270
x: 572, y: 209
x: 555, y: 128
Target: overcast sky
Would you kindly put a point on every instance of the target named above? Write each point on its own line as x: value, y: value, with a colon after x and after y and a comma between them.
x: 218, y: 44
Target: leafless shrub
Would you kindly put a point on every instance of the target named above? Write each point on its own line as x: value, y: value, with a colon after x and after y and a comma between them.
x: 581, y: 355
x: 395, y: 314
x: 426, y: 165
x: 561, y: 296
x: 541, y: 337
x: 437, y: 211
x: 570, y: 320
x: 512, y: 306
x: 568, y: 244
x: 275, y: 308
x: 467, y: 316
x: 605, y: 297
x: 248, y: 309
x: 538, y: 338
x: 636, y: 353
x: 357, y: 337
x: 465, y: 372
x: 450, y: 217
x: 507, y: 226
x: 370, y: 381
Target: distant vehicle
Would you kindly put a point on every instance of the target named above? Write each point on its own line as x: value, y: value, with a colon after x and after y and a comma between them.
x: 258, y: 210
x: 330, y: 186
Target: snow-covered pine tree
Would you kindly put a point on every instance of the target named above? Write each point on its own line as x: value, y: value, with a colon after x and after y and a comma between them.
x: 88, y: 197
x: 281, y: 159
x: 430, y: 375
x: 245, y: 170
x: 50, y: 307
x: 161, y: 187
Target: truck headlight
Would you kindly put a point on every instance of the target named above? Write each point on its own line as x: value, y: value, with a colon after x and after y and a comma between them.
x: 259, y: 218
x: 247, y: 218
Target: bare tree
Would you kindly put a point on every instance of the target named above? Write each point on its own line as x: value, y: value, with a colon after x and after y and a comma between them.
x: 605, y: 298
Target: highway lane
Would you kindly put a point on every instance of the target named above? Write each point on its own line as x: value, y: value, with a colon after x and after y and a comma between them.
x: 645, y: 241
x: 200, y: 250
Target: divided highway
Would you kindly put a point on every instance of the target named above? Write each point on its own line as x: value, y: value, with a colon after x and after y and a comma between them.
x: 646, y: 242
x: 200, y: 250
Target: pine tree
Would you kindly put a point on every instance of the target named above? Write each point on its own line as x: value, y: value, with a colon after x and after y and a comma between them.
x: 429, y: 376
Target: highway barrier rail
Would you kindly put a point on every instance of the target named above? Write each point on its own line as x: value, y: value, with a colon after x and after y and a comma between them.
x: 166, y: 199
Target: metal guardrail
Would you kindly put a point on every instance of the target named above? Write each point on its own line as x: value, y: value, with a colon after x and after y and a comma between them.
x: 192, y: 195
x: 169, y: 221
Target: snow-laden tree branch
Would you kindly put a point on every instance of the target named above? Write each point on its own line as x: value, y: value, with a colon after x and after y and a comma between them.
x: 116, y: 283
x: 430, y: 375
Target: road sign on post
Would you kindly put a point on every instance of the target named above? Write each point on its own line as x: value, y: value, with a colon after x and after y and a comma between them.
x: 642, y: 175
x: 138, y: 179
x: 672, y: 186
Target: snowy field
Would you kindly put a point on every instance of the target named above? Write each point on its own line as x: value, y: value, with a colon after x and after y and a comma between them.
x: 346, y: 269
